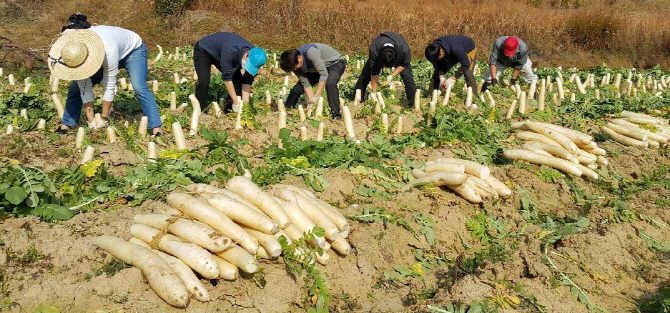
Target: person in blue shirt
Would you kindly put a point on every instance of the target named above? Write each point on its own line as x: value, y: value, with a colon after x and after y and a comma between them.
x: 230, y: 54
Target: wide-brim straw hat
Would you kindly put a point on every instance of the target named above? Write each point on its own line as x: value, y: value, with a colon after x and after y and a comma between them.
x: 82, y: 45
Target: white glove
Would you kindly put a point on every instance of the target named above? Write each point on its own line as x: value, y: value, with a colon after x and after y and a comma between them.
x: 443, y: 82
x: 450, y: 82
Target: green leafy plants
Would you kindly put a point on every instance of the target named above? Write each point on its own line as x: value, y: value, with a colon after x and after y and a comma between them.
x: 300, y: 257
x: 379, y: 214
x: 25, y: 190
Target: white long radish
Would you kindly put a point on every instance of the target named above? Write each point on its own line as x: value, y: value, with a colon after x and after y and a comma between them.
x: 194, y: 256
x: 228, y: 270
x: 202, y: 212
x: 577, y: 137
x: 471, y: 167
x: 467, y: 191
x: 192, y: 231
x: 535, y: 158
x: 628, y: 132
x: 314, y: 213
x: 552, y: 134
x: 444, y: 167
x: 298, y: 218
x: 628, y: 114
x: 624, y: 139
x: 269, y: 243
x: 595, y: 151
x: 240, y: 258
x: 193, y: 284
x: 240, y: 213
x: 341, y: 246
x: 333, y: 213
x: 554, y: 150
x: 659, y: 137
x: 501, y: 189
x: 438, y: 179
x: 250, y: 191
x: 483, y: 188
x: 531, y: 136
x: 587, y: 172
x: 161, y: 277
x: 645, y: 121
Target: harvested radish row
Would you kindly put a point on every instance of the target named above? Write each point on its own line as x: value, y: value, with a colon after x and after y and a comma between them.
x: 161, y: 277
x: 217, y: 232
x: 629, y: 130
x: 561, y: 148
x: 471, y: 180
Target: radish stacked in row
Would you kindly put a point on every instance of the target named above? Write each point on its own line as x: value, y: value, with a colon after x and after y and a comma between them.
x: 217, y: 232
x: 638, y: 130
x: 561, y: 148
x: 469, y: 179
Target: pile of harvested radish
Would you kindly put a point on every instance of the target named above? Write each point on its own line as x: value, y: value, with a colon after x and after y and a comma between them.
x: 469, y: 179
x: 561, y: 148
x: 217, y: 232
x: 638, y: 130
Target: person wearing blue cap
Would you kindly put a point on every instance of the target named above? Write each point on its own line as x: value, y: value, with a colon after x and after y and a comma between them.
x: 230, y: 54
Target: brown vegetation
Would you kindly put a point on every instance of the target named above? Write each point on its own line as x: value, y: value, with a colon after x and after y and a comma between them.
x: 569, y: 33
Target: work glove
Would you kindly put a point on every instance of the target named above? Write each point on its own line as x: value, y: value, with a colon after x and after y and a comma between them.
x: 389, y: 79
x: 494, y: 81
x: 513, y: 81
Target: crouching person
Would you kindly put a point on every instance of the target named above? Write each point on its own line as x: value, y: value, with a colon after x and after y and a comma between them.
x: 509, y: 51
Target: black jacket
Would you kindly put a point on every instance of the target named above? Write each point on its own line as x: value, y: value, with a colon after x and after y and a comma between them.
x: 400, y: 45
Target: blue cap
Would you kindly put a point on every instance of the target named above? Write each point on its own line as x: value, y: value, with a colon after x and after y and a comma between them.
x: 256, y: 59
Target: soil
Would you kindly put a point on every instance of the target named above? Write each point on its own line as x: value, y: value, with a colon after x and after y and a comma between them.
x: 617, y: 267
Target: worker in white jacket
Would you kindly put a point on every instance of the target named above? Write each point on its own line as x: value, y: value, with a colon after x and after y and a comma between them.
x: 94, y: 56
x: 509, y: 51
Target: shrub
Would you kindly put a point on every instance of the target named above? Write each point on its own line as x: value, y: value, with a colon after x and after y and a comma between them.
x: 593, y: 30
x: 171, y: 7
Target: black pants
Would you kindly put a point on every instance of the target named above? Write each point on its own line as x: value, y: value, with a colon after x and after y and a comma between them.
x: 203, y: 62
x: 407, y: 79
x: 335, y: 71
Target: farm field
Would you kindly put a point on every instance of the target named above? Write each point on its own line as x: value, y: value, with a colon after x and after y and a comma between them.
x: 559, y: 243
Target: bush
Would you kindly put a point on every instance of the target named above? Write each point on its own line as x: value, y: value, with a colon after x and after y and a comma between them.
x: 593, y: 30
x: 171, y: 7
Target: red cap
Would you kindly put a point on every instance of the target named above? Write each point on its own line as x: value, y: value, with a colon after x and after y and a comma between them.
x: 511, y: 43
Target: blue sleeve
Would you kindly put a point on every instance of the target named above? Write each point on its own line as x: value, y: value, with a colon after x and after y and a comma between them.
x: 226, y: 65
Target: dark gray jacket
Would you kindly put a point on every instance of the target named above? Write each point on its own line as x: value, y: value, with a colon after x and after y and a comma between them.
x: 403, y: 56
x: 498, y: 54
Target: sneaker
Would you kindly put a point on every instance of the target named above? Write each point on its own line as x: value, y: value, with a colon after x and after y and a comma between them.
x: 103, y: 122
x: 337, y: 116
x: 93, y: 125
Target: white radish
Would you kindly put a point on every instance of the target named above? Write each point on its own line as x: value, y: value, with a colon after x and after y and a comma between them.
x: 161, y: 276
x: 269, y: 243
x: 194, y: 256
x: 444, y: 167
x: 501, y: 189
x: 240, y: 213
x: 79, y: 140
x: 539, y: 159
x: 624, y: 139
x: 297, y: 216
x: 240, y: 258
x: 228, y: 270
x: 178, y: 134
x: 111, y: 135
x: 628, y: 132
x: 348, y: 123
x: 192, y: 231
x: 471, y: 167
x: 510, y: 110
x: 192, y: 283
x: 252, y: 193
x: 531, y: 136
x: 202, y: 212
x: 142, y: 128
x: 438, y: 179
x: 314, y: 213
x: 88, y: 154
x: 552, y: 134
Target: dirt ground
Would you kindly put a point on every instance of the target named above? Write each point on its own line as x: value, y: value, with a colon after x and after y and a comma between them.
x: 49, y: 263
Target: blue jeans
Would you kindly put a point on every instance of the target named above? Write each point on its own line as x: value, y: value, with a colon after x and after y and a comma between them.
x: 137, y: 66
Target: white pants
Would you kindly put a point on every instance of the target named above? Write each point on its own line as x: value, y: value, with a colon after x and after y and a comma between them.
x: 526, y: 72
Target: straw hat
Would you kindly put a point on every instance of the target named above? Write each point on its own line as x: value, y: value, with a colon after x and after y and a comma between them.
x: 77, y: 54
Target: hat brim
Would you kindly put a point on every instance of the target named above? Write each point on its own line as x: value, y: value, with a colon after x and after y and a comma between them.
x: 94, y: 59
x: 251, y: 69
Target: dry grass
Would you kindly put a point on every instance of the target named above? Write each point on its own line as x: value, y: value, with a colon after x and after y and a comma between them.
x: 619, y: 33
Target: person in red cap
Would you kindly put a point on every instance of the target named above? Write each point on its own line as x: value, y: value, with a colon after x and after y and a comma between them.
x: 509, y: 51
